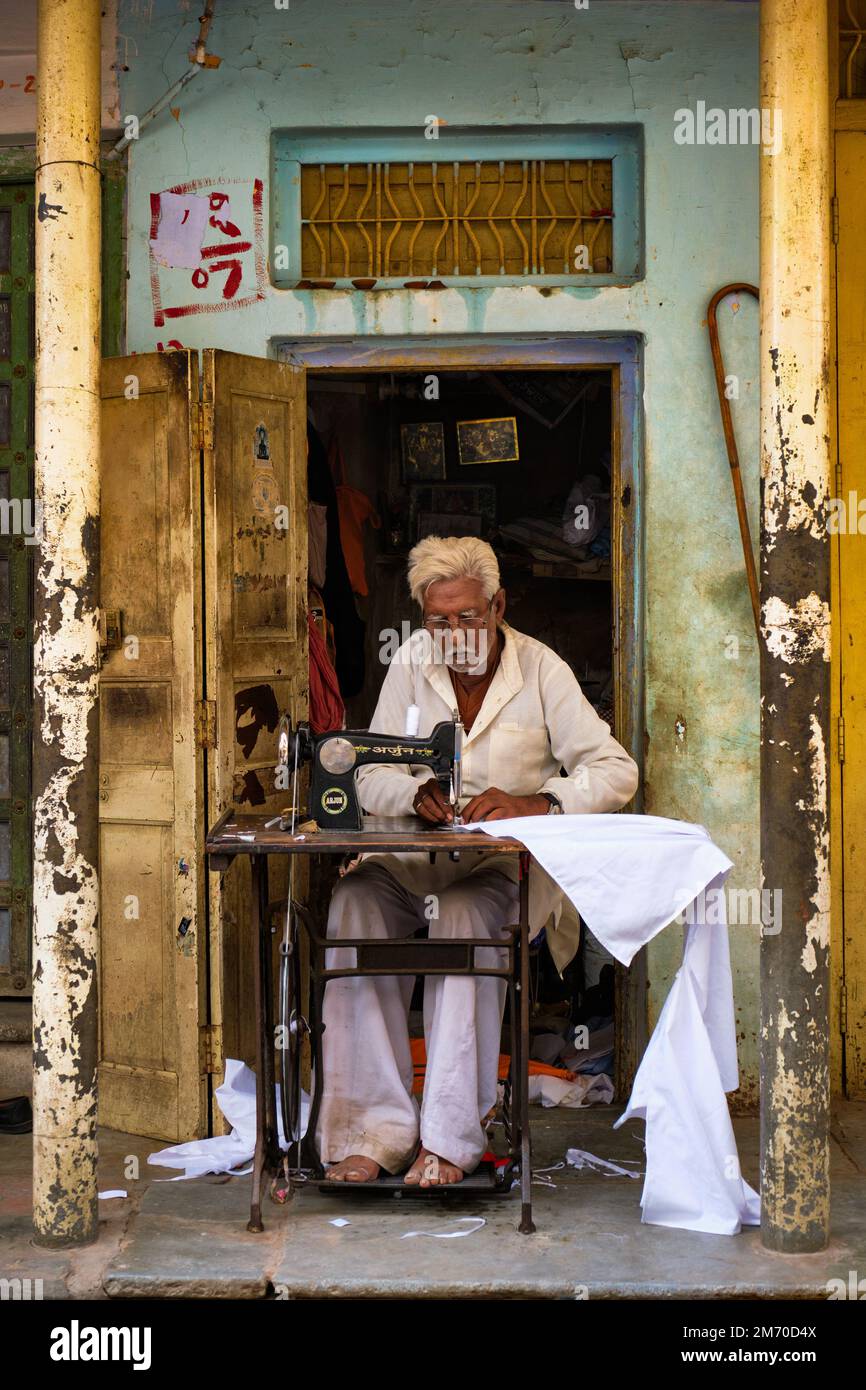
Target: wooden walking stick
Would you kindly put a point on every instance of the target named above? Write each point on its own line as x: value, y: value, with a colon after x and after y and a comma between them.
x: 731, y: 443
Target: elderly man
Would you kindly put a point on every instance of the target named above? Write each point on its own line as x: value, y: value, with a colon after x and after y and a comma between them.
x: 526, y: 721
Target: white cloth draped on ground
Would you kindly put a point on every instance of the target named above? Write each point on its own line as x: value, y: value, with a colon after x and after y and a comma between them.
x: 629, y: 877
x: 226, y: 1153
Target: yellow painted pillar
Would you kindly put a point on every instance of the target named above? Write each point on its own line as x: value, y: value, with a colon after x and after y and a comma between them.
x: 795, y: 621
x: 65, y: 899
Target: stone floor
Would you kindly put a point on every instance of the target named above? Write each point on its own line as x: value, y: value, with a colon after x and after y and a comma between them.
x: 188, y: 1239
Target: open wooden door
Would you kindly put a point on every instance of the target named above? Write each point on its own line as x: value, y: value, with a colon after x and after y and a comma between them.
x: 152, y: 942
x: 255, y: 594
x: 203, y: 603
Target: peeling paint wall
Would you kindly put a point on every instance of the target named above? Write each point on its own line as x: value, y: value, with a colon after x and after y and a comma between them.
x: 499, y: 63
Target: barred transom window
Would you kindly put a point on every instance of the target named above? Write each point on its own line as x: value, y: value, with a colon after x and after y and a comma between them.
x: 375, y: 209
x: 485, y: 217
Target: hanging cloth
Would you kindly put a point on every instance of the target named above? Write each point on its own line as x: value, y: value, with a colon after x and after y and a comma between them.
x: 336, y: 590
x: 324, y: 626
x: 327, y: 710
x: 354, y: 509
x: 628, y: 877
x: 317, y: 542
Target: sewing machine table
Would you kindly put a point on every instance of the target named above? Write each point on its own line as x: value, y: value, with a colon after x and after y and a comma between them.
x: 237, y: 833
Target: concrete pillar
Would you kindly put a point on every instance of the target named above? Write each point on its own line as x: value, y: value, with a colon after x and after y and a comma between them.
x: 795, y: 614
x: 65, y: 899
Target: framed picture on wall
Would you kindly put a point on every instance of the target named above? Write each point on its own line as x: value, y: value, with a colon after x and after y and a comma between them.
x: 456, y: 509
x: 423, y: 448
x: 488, y: 441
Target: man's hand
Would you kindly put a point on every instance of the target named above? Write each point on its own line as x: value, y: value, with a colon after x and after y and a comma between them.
x: 494, y: 804
x: 432, y: 805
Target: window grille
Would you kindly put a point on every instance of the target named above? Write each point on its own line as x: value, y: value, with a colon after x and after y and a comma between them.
x: 852, y: 48
x: 495, y: 217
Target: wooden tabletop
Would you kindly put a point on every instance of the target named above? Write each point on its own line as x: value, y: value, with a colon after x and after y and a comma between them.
x: 237, y: 833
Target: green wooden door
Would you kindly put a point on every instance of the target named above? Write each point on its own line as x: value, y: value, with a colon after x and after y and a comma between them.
x: 17, y: 546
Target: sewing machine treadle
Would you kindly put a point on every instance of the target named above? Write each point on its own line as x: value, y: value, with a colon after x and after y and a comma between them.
x: 241, y: 833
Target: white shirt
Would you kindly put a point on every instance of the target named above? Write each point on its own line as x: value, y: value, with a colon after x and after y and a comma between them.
x: 534, y: 720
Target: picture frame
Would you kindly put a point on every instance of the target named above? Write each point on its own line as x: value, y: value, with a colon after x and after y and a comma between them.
x: 488, y: 441
x: 452, y: 509
x: 422, y: 444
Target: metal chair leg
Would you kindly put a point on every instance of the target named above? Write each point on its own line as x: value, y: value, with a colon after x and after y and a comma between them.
x: 267, y: 1154
x: 255, y: 1222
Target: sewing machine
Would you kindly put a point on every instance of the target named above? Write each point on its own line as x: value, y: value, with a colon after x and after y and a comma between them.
x: 335, y: 807
x: 337, y: 755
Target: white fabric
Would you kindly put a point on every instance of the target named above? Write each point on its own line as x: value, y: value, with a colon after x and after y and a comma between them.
x: 534, y: 719
x: 583, y: 1091
x: 582, y: 1158
x: 628, y: 877
x: 468, y: 1224
x: 225, y: 1153
x: 367, y: 1105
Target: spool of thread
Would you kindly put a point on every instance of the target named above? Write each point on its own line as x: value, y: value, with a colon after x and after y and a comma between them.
x: 413, y: 721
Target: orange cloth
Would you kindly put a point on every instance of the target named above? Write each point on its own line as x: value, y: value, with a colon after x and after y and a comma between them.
x: 326, y: 706
x: 354, y: 508
x: 419, y: 1066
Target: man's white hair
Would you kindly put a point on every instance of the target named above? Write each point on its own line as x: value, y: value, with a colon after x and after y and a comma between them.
x: 452, y: 557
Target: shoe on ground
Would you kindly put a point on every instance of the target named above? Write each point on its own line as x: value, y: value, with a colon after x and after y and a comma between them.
x: 16, y: 1116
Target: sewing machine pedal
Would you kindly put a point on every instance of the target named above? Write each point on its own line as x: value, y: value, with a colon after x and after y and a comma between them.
x: 492, y: 1178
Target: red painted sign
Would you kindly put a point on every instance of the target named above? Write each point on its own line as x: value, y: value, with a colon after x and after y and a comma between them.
x: 215, y: 230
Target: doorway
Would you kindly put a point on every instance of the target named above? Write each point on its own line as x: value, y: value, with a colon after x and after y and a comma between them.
x: 532, y: 447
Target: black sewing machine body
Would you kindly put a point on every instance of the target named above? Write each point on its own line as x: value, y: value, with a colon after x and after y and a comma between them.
x: 336, y: 756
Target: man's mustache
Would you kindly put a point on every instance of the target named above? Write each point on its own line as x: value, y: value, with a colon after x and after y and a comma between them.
x: 461, y: 648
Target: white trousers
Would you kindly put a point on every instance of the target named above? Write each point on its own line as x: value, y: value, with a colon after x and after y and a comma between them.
x: 367, y: 1103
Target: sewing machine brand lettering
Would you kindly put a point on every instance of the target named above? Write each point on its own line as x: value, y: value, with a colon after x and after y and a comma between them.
x: 334, y: 801
x: 395, y: 750
x: 399, y: 750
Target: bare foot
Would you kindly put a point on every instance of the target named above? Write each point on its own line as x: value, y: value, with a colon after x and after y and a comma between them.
x: 353, y: 1168
x: 429, y: 1170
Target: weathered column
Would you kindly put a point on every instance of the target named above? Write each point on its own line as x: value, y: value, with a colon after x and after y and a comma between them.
x: 65, y: 900
x: 795, y: 598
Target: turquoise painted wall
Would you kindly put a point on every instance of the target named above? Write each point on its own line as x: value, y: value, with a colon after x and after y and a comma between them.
x: 500, y: 63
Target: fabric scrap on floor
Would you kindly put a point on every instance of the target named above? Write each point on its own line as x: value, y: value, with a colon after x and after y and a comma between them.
x: 470, y: 1225
x: 225, y: 1153
x: 581, y: 1158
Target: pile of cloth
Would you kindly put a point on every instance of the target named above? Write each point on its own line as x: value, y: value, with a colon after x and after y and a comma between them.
x: 577, y: 1061
x: 549, y: 1083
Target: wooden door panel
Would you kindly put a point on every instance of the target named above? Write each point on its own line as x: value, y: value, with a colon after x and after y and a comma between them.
x: 152, y: 908
x: 255, y: 599
x: 136, y: 904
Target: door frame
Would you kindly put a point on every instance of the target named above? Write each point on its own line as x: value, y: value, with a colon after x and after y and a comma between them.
x: 622, y: 356
x: 846, y: 965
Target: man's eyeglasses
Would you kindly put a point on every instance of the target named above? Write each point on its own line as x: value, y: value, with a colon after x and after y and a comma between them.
x: 469, y: 621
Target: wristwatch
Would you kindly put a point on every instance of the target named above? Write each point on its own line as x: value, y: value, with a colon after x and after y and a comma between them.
x: 555, y: 804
